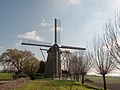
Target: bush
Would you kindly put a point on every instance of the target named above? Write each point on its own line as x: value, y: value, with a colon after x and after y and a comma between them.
x: 15, y: 76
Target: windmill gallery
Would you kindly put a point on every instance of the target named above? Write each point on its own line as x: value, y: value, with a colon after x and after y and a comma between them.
x: 53, y: 65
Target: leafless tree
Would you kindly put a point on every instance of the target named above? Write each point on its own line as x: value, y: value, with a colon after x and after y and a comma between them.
x: 101, y: 59
x: 73, y: 66
x: 80, y: 65
x: 112, y: 37
x: 84, y: 64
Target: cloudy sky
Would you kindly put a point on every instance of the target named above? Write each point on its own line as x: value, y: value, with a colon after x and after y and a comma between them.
x: 34, y: 19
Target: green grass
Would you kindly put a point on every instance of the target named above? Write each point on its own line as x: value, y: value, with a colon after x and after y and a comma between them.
x: 99, y: 79
x: 112, y: 82
x: 6, y: 76
x: 54, y: 85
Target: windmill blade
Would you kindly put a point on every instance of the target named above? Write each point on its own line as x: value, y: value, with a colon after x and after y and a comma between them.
x: 70, y: 47
x: 43, y: 49
x: 36, y: 44
x: 42, y: 53
x: 26, y: 41
x: 57, y: 31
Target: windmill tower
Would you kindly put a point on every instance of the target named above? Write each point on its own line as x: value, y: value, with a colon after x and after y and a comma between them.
x: 53, y: 66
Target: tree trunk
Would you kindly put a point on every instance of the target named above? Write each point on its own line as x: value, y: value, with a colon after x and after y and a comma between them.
x: 19, y: 72
x: 77, y: 77
x: 83, y: 79
x: 104, y: 81
x: 74, y: 76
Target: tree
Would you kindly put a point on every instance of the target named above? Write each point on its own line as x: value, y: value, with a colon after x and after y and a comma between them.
x: 31, y: 67
x: 80, y: 65
x: 19, y: 60
x: 84, y: 65
x: 101, y: 59
x: 41, y: 67
x: 112, y: 37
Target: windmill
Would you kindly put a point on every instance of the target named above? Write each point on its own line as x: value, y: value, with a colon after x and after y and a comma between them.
x: 53, y: 66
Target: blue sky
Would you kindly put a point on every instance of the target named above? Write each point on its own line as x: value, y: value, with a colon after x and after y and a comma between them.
x: 34, y: 19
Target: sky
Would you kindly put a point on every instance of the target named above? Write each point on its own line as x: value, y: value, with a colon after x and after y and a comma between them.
x: 34, y: 19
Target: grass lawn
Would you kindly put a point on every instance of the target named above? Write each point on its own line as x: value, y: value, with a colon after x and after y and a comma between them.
x: 98, y: 79
x: 6, y: 76
x: 113, y: 83
x: 42, y: 84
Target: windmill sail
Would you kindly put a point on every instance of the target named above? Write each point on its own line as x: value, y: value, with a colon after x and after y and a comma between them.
x: 36, y: 44
x: 58, y: 29
x: 71, y: 47
x: 26, y: 41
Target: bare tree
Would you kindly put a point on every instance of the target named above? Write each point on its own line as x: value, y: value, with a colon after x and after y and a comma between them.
x: 84, y: 64
x: 73, y: 66
x: 101, y: 59
x: 112, y: 37
x: 80, y: 65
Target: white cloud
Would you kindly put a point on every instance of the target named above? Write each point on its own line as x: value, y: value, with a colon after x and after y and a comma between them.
x: 58, y: 29
x: 28, y: 37
x: 74, y: 2
x: 33, y: 35
x: 44, y: 23
x: 114, y: 3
